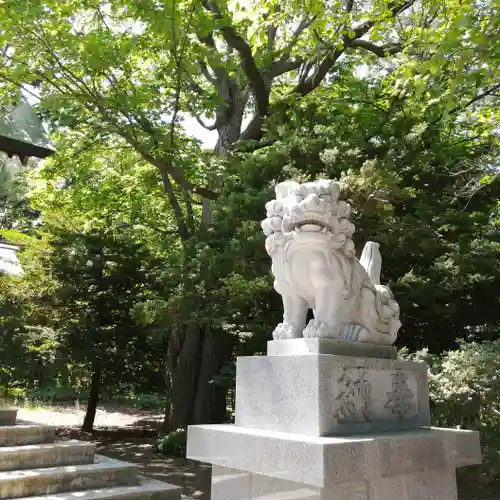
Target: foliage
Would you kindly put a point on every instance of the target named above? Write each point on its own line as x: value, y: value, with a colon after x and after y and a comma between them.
x: 422, y: 198
x: 15, y: 212
x: 397, y: 98
x: 117, y: 69
x: 418, y: 197
x: 465, y: 393
x: 27, y: 343
x: 173, y: 443
x: 77, y: 264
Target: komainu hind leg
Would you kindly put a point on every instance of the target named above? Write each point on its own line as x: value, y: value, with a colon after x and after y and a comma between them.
x: 294, y: 318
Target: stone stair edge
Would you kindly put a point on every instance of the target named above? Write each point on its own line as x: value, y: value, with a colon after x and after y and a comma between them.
x: 14, y: 430
x: 147, y: 486
x: 24, y: 434
x: 71, y: 443
x: 100, y: 463
x: 29, y: 423
x: 25, y: 424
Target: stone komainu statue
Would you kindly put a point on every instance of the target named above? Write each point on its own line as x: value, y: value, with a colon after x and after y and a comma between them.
x: 314, y: 264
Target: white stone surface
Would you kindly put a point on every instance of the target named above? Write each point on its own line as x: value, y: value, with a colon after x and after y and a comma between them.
x: 308, y: 236
x: 325, y: 395
x: 250, y: 464
x: 231, y: 484
x: 26, y: 433
x: 69, y: 452
x: 147, y: 489
x: 326, y: 461
x: 33, y: 466
x: 318, y: 345
x: 101, y: 474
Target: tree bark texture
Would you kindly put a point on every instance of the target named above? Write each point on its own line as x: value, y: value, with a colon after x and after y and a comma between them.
x: 194, y: 358
x: 95, y: 383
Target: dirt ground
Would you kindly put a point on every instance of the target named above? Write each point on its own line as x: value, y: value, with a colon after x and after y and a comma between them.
x: 129, y: 435
x: 72, y: 415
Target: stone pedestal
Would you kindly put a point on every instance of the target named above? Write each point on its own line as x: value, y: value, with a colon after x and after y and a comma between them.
x: 331, y: 427
x: 324, y: 395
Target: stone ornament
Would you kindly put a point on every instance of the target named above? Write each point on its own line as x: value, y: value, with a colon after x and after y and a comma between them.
x: 309, y: 239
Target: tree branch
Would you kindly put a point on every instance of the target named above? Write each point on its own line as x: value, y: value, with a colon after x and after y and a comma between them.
x: 176, y: 174
x: 253, y: 130
x: 482, y: 95
x: 284, y: 64
x: 206, y: 73
x: 395, y: 9
x: 196, y: 88
x: 236, y: 42
x: 189, y: 209
x: 379, y: 50
x: 281, y: 67
x: 169, y: 190
x: 204, y: 125
x: 303, y: 25
x: 309, y: 83
x: 272, y: 31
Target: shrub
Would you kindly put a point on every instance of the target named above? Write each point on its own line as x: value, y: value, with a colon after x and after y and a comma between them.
x: 173, y: 443
x: 464, y: 390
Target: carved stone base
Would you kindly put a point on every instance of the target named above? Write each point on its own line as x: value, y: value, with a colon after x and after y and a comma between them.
x: 327, y: 395
x: 256, y: 465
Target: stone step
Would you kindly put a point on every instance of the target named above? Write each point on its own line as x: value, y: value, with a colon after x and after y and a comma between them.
x: 147, y: 489
x: 26, y: 433
x: 104, y: 473
x: 8, y: 416
x: 46, y: 455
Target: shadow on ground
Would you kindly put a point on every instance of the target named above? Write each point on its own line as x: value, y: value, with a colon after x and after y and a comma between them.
x: 135, y: 444
x: 472, y: 487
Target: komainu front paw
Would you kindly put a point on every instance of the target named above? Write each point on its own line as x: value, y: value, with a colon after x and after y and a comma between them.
x: 283, y: 331
x: 317, y: 329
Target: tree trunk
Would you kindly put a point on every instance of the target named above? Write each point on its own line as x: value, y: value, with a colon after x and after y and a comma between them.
x: 193, y: 360
x: 88, y: 421
x: 229, y: 129
x: 210, y: 403
x: 183, y: 358
x: 196, y: 356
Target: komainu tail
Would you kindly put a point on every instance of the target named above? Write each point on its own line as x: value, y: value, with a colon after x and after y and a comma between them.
x: 371, y: 260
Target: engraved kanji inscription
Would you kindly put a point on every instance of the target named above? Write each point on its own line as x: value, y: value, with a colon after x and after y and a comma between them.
x: 401, y: 398
x: 354, y: 396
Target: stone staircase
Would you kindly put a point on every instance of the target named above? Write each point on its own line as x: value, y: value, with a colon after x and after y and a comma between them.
x: 34, y: 466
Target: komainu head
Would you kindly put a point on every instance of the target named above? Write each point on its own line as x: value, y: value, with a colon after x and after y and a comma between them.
x: 300, y: 210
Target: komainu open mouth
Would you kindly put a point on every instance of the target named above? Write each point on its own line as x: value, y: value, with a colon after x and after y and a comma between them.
x: 311, y: 225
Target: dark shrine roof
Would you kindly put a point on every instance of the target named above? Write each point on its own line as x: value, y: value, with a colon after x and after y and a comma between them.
x: 22, y: 133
